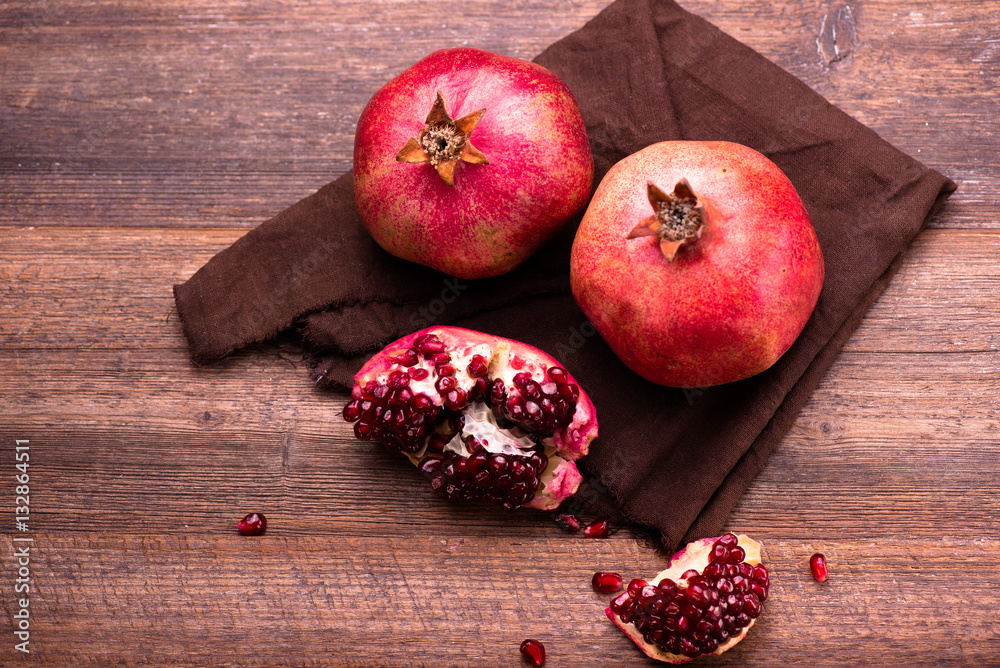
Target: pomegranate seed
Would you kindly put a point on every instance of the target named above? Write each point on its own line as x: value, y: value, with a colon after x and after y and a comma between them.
x: 533, y: 651
x: 252, y: 525
x: 478, y: 367
x: 363, y: 431
x: 408, y: 357
x: 399, y: 379
x: 430, y: 466
x: 454, y: 400
x: 558, y: 374
x: 635, y: 586
x: 719, y: 554
x: 517, y: 362
x: 751, y: 605
x: 381, y: 395
x: 667, y: 588
x: 606, y: 583
x: 352, y: 411
x: 729, y: 540
x: 419, y: 374
x: 598, y: 529
x: 445, y: 383
x: 817, y: 564
x: 428, y: 345
x: 621, y: 603
x: 568, y: 522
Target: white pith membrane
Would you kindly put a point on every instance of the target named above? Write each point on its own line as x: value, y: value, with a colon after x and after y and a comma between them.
x: 694, y: 556
x: 481, y: 424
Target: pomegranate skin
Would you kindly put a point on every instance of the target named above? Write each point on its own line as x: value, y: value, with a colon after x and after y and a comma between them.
x: 731, y: 302
x: 496, y: 215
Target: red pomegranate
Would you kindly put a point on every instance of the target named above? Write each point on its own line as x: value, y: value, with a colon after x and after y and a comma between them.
x: 470, y: 161
x: 697, y: 263
x: 485, y: 418
x: 703, y: 603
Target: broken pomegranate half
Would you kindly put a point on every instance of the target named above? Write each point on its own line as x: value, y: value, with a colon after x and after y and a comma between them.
x: 703, y: 603
x: 484, y: 418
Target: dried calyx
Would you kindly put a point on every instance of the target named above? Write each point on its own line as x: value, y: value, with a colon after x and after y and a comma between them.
x: 444, y: 142
x: 678, y: 218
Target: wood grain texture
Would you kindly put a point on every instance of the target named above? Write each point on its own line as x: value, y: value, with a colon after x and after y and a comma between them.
x: 139, y: 138
x: 223, y: 113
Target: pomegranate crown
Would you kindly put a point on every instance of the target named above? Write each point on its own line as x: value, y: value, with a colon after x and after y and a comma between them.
x: 678, y: 218
x: 444, y: 142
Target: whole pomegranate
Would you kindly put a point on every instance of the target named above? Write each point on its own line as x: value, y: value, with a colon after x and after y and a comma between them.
x: 703, y: 603
x: 697, y: 263
x: 485, y: 418
x: 469, y: 162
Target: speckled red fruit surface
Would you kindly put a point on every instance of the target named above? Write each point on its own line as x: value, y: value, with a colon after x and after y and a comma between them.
x: 735, y: 295
x: 537, y: 174
x: 485, y: 418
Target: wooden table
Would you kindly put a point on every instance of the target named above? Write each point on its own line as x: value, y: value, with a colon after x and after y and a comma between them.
x: 139, y: 138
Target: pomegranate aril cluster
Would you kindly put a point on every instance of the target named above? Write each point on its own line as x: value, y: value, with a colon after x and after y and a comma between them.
x: 392, y: 413
x: 540, y: 408
x: 693, y: 617
x: 493, y: 478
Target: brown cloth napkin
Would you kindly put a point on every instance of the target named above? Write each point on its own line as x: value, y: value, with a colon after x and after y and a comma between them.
x: 668, y: 461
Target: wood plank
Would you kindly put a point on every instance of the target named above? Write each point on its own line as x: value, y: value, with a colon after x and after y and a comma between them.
x: 303, y: 600
x: 203, y: 116
x: 258, y: 436
x: 111, y: 289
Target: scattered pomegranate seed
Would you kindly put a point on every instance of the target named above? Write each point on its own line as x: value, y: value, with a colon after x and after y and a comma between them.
x: 252, y: 525
x: 533, y: 651
x: 598, y: 529
x: 568, y: 522
x: 817, y: 564
x: 606, y: 583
